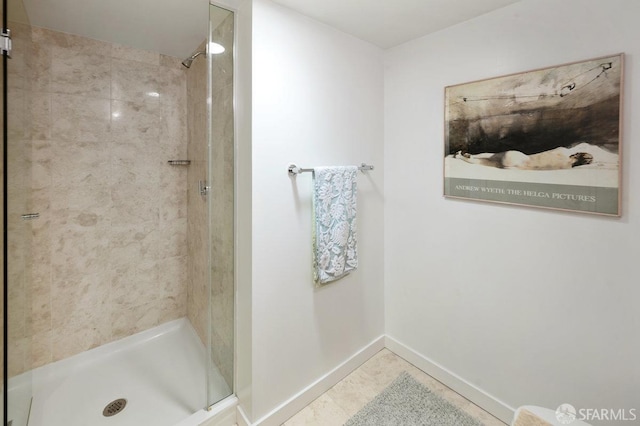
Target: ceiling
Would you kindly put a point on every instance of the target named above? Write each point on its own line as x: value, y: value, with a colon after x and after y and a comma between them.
x: 388, y: 23
x: 177, y: 27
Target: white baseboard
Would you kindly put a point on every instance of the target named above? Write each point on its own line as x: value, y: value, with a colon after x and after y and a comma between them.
x: 303, y: 398
x: 474, y: 394
x: 241, y: 417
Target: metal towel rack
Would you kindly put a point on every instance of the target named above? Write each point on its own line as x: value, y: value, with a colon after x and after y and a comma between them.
x: 295, y: 170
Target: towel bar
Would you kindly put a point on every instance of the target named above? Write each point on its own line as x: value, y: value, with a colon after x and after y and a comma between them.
x: 295, y: 170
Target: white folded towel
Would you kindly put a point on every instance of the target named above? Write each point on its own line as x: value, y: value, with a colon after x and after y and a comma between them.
x: 335, y: 248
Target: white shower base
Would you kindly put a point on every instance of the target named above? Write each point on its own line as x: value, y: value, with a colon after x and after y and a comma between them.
x: 160, y: 372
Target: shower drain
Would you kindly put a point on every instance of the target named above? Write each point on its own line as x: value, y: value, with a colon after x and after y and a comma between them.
x: 114, y: 407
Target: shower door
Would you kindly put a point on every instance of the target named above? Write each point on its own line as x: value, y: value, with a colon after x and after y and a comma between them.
x: 221, y: 203
x: 3, y: 85
x: 18, y: 220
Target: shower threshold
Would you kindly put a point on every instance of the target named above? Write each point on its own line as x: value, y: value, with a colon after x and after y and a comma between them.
x: 159, y: 372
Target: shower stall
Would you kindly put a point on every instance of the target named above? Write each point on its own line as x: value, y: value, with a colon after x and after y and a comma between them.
x: 119, y: 178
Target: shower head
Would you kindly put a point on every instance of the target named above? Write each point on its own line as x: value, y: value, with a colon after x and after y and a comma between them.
x: 187, y: 62
x: 214, y: 49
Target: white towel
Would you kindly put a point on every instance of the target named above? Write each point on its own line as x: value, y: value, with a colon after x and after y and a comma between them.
x: 335, y: 248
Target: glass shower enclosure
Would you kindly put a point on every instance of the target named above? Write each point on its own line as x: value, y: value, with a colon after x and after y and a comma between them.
x: 221, y: 201
x: 118, y: 174
x: 17, y: 216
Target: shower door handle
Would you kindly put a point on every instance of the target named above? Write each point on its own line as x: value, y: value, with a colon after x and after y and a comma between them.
x: 30, y: 216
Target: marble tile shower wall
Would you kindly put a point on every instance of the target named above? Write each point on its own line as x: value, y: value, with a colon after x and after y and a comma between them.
x: 198, y: 258
x: 110, y: 248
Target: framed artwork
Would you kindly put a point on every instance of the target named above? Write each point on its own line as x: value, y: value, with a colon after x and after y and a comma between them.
x: 543, y: 138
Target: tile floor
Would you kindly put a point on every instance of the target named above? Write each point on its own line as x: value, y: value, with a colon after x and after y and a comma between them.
x: 346, y: 398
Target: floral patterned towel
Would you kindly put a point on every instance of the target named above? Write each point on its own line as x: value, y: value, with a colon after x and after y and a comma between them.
x: 335, y: 249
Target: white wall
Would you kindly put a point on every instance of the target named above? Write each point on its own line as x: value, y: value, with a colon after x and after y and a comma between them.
x: 317, y: 100
x: 532, y: 306
x: 244, y: 303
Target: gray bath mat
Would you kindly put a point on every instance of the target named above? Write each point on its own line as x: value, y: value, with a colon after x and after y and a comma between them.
x: 405, y: 402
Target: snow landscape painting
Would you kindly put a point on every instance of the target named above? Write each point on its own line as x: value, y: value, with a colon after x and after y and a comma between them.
x: 544, y: 138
